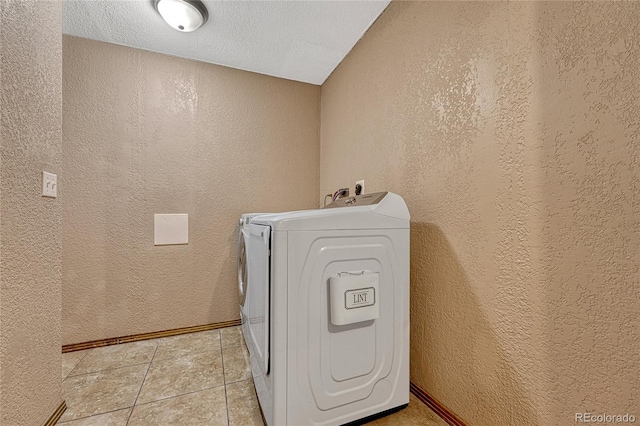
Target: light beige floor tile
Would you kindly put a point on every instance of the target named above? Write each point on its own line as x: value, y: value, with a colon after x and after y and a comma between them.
x: 206, y: 407
x: 188, y: 344
x: 236, y: 364
x: 242, y: 402
x: 115, y: 418
x: 416, y: 414
x: 231, y: 336
x: 177, y: 376
x: 116, y: 356
x: 70, y: 360
x: 101, y: 392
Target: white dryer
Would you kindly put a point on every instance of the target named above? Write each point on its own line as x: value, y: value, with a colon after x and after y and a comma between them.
x: 243, y: 254
x: 328, y: 327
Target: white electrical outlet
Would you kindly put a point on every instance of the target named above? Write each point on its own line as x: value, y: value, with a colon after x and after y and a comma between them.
x: 49, y: 185
x: 361, y: 183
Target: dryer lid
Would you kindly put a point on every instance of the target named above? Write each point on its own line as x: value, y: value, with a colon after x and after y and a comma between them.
x: 384, y: 210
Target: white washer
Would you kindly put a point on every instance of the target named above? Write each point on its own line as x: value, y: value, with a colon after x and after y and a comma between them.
x: 243, y: 254
x: 328, y: 326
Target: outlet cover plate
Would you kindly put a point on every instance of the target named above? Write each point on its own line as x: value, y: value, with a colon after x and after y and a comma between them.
x: 361, y: 183
x: 49, y: 185
x: 169, y: 229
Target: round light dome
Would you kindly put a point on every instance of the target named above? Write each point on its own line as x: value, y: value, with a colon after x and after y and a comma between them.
x: 183, y: 15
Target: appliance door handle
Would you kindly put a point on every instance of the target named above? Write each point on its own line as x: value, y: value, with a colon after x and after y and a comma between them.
x: 267, y: 300
x: 242, y: 270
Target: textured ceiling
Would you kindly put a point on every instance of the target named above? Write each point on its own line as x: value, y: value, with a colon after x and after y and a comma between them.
x: 296, y: 40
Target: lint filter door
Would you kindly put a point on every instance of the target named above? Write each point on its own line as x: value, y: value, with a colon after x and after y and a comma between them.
x: 354, y: 297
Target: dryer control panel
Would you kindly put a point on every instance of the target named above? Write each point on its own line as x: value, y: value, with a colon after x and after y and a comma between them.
x: 358, y: 200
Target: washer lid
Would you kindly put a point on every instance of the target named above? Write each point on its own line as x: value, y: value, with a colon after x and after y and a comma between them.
x: 384, y: 210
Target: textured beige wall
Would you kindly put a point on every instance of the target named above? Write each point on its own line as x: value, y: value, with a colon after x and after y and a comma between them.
x: 145, y: 133
x: 511, y: 129
x: 30, y: 231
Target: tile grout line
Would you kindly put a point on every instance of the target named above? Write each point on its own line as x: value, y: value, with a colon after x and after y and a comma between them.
x: 92, y: 415
x: 224, y: 380
x: 165, y: 398
x: 142, y: 384
x: 76, y: 365
x: 107, y: 369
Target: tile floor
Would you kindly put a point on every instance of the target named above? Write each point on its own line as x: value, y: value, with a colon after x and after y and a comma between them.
x: 192, y: 379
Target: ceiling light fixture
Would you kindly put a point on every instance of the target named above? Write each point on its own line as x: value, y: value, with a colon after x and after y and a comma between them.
x: 183, y: 15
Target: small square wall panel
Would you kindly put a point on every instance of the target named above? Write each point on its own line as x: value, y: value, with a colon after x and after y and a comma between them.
x: 170, y: 229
